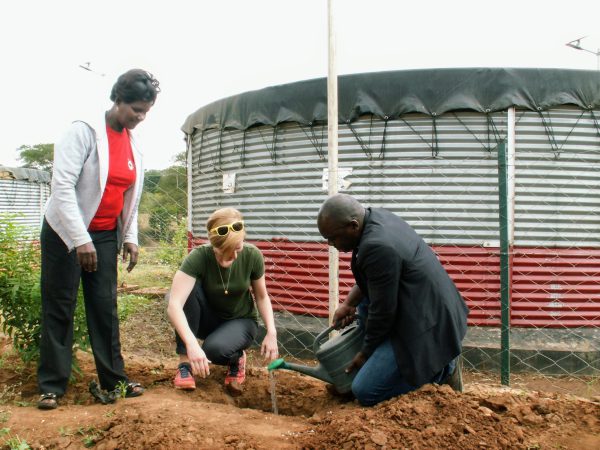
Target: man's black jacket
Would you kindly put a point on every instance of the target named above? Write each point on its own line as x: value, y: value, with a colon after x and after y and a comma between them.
x: 412, y: 299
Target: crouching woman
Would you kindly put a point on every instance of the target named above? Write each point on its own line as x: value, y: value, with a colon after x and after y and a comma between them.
x: 214, y: 297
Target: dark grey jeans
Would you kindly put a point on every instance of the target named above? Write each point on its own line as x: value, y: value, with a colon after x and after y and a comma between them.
x: 224, y: 340
x: 60, y: 277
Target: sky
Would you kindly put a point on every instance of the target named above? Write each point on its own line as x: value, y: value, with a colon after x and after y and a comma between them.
x: 205, y: 50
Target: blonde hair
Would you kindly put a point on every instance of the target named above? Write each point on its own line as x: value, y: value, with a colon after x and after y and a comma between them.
x: 225, y: 216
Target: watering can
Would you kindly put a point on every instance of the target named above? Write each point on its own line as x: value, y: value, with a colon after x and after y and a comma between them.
x: 334, y: 356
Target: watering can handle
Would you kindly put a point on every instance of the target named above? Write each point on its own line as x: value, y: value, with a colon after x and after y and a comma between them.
x: 322, y: 335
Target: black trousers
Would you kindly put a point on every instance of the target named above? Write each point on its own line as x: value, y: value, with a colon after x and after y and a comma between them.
x: 224, y: 340
x: 61, y: 274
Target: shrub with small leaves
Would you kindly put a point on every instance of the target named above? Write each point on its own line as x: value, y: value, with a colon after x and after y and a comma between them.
x: 20, y: 296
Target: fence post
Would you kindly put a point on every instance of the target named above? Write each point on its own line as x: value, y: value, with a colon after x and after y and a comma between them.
x: 332, y: 156
x: 504, y: 264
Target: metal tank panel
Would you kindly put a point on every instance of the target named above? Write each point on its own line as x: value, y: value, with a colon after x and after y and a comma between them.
x: 437, y: 171
x: 26, y: 200
x: 444, y: 185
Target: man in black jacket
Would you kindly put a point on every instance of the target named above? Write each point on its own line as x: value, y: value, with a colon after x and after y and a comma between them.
x: 414, y: 317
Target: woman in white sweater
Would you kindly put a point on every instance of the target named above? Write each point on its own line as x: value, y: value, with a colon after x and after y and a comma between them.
x: 91, y: 215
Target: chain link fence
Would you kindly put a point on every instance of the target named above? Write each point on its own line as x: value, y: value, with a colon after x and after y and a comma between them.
x: 441, y: 174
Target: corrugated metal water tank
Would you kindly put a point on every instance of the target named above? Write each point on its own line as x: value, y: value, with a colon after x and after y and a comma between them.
x: 434, y: 162
x: 23, y: 194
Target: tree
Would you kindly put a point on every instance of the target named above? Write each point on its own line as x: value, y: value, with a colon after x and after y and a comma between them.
x: 39, y: 156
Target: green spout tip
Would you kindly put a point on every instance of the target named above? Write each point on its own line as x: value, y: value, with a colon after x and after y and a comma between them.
x: 277, y: 364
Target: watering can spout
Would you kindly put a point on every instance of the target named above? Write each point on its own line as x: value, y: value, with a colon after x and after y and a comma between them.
x: 318, y: 372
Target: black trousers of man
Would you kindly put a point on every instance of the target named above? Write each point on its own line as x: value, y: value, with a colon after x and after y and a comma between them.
x: 61, y: 274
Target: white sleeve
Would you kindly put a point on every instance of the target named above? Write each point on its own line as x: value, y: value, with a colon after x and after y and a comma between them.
x: 70, y: 154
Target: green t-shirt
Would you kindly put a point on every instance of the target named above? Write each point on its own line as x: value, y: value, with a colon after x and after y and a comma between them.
x: 202, y: 264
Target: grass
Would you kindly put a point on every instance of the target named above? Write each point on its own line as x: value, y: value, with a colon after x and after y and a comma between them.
x: 4, y: 416
x: 13, y: 442
x: 8, y: 393
x: 129, y: 303
x: 90, y: 436
x: 149, y: 272
x: 592, y: 384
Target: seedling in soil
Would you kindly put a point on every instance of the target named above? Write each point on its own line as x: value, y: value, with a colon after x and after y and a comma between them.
x: 121, y: 389
x: 90, y: 435
x: 16, y: 443
x: 65, y: 431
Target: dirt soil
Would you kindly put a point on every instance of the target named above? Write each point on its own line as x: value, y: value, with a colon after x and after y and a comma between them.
x: 309, y: 417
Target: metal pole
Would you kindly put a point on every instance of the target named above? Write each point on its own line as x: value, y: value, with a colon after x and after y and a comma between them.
x: 189, y: 192
x: 504, y: 265
x: 332, y: 155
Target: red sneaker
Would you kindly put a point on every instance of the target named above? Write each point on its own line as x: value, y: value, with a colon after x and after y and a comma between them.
x: 236, y: 376
x: 184, y: 378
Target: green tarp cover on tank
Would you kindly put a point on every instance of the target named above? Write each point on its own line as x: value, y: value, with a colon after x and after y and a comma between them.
x: 395, y: 93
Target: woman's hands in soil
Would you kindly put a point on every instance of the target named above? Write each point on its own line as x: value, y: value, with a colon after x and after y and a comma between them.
x: 198, y: 360
x: 87, y: 258
x: 268, y: 349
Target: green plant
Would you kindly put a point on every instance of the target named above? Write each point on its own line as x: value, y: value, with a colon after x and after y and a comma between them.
x: 23, y: 403
x: 20, y: 296
x: 129, y: 303
x: 90, y: 436
x: 4, y: 416
x: 8, y: 393
x: 173, y: 251
x: 121, y: 389
x: 16, y: 443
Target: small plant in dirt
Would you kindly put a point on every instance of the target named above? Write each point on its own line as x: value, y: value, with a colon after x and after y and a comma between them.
x: 65, y: 431
x: 90, y: 436
x: 121, y: 389
x: 15, y: 442
x: 23, y: 404
x: 4, y: 416
x: 20, y: 296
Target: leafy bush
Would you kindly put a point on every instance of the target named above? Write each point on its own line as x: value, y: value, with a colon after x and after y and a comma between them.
x: 20, y: 297
x: 173, y: 251
x: 160, y: 225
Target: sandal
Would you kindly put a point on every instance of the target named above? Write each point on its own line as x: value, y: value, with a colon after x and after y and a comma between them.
x: 48, y: 400
x: 134, y: 390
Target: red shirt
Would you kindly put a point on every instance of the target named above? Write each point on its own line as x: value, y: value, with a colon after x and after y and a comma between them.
x: 121, y: 175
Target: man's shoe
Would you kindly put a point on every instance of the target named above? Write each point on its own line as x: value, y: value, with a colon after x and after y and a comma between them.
x: 184, y: 379
x: 236, y: 375
x: 455, y: 380
x: 48, y: 400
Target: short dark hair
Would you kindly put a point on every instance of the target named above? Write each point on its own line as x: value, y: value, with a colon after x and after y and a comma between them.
x: 135, y: 85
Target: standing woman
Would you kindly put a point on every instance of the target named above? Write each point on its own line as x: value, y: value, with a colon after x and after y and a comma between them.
x: 210, y: 299
x: 92, y: 214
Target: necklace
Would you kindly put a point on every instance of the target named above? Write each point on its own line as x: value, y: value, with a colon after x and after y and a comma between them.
x: 225, y: 288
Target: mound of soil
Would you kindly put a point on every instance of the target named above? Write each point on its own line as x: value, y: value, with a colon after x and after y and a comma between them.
x: 309, y: 416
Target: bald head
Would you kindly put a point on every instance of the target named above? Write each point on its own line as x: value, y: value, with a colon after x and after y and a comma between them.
x: 341, y: 208
x: 340, y: 221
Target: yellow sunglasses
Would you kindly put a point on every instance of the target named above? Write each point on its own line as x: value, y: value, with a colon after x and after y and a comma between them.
x: 223, y: 230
